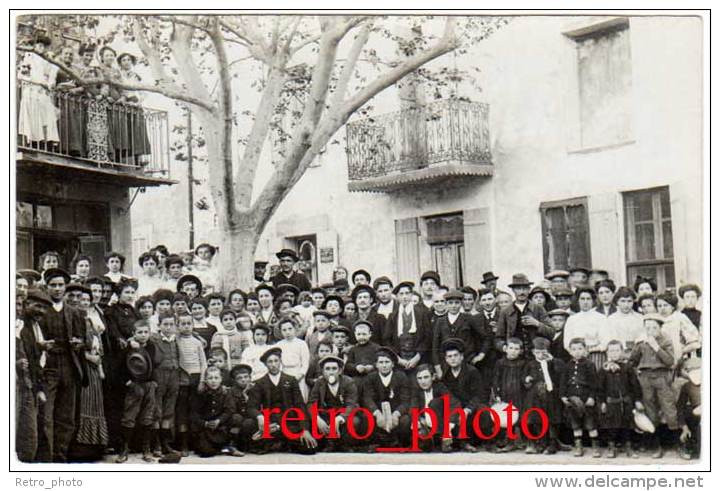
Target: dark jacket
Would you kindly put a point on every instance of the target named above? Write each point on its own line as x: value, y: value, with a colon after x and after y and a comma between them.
x: 297, y: 279
x: 360, y: 355
x: 347, y: 393
x: 509, y: 325
x: 470, y: 388
x: 208, y: 406
x: 579, y: 379
x: 260, y: 395
x: 236, y: 405
x: 61, y: 327
x: 27, y: 348
x: 421, y: 342
x: 417, y: 398
x: 378, y: 325
x: 397, y: 393
x: 443, y: 330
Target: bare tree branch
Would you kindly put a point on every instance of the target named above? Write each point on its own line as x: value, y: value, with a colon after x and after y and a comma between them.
x: 177, y: 19
x: 255, y: 42
x: 349, y: 65
x: 291, y: 36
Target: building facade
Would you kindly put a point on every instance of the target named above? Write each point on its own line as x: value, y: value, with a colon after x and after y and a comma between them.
x: 584, y: 148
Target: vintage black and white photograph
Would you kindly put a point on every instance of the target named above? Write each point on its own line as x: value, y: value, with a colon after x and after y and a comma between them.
x: 357, y: 237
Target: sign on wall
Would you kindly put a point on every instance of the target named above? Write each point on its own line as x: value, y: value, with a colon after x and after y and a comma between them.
x: 327, y: 254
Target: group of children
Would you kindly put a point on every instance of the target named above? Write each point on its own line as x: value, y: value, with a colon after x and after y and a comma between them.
x: 182, y: 371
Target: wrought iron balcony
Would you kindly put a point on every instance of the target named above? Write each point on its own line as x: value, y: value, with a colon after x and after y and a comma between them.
x: 124, y: 142
x: 443, y: 140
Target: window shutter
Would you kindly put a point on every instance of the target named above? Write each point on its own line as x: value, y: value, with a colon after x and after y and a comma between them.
x: 94, y: 246
x: 23, y: 251
x: 477, y: 250
x: 606, y: 245
x: 578, y: 236
x: 406, y: 249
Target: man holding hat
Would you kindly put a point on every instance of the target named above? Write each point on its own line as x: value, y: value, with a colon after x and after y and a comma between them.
x: 364, y: 297
x: 63, y: 329
x: 288, y: 258
x: 387, y: 396
x: 30, y: 360
x: 332, y: 391
x: 277, y: 390
x: 522, y: 319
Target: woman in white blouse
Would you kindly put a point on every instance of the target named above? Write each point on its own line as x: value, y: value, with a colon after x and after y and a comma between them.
x: 590, y: 325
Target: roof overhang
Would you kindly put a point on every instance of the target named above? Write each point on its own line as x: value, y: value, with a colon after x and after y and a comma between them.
x: 432, y: 175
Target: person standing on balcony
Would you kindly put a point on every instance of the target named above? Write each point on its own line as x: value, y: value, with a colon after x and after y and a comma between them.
x: 72, y: 112
x: 137, y: 131
x: 118, y: 136
x: 38, y: 115
x: 97, y: 141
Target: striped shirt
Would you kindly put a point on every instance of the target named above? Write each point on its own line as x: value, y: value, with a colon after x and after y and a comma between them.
x: 191, y: 354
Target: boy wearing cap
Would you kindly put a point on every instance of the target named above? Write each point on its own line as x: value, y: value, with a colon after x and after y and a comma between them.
x: 139, y: 405
x: 408, y: 331
x: 578, y: 393
x: 558, y: 317
x: 321, y: 332
x: 277, y: 390
x: 241, y: 425
x: 653, y: 357
x: 341, y: 341
x: 333, y: 391
x: 386, y: 394
x: 385, y: 303
x: 287, y: 259
x: 63, y: 330
x: 429, y: 283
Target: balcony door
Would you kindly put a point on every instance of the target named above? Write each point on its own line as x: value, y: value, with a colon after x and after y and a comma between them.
x: 449, y: 261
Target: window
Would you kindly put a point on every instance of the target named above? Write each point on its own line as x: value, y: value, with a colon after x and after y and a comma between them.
x: 648, y: 236
x: 566, y: 234
x: 445, y: 235
x: 604, y: 85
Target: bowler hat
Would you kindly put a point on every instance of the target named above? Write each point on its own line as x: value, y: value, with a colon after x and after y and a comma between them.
x: 453, y: 344
x: 408, y: 284
x: 363, y: 288
x: 191, y: 278
x: 137, y: 365
x: 519, y: 279
x: 334, y: 358
x: 39, y: 295
x: 275, y: 350
x: 337, y: 298
x: 387, y: 352
x: 51, y: 273
x: 382, y: 280
x: 489, y: 276
x: 287, y: 253
x: 430, y: 275
x: 360, y: 272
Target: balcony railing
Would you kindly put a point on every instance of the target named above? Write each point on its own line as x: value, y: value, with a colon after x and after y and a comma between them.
x: 95, y: 131
x: 446, y: 131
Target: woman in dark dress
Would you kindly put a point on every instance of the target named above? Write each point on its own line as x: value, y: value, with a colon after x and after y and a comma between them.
x: 72, y: 110
x: 137, y: 131
x: 118, y: 136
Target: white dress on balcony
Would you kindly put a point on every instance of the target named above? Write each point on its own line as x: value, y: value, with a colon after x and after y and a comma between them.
x: 37, y: 115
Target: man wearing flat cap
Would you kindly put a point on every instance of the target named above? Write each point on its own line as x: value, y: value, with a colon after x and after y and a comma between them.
x: 429, y: 283
x: 333, y: 391
x: 522, y: 319
x: 385, y: 304
x: 30, y: 361
x: 558, y: 279
x: 278, y: 390
x: 63, y: 329
x: 287, y: 274
x: 260, y: 268
x: 455, y: 324
x: 387, y: 396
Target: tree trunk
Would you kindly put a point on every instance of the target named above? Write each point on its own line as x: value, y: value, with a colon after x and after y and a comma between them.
x: 237, y: 258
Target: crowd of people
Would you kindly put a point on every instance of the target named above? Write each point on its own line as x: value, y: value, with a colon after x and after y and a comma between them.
x: 165, y: 364
x: 100, y: 122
